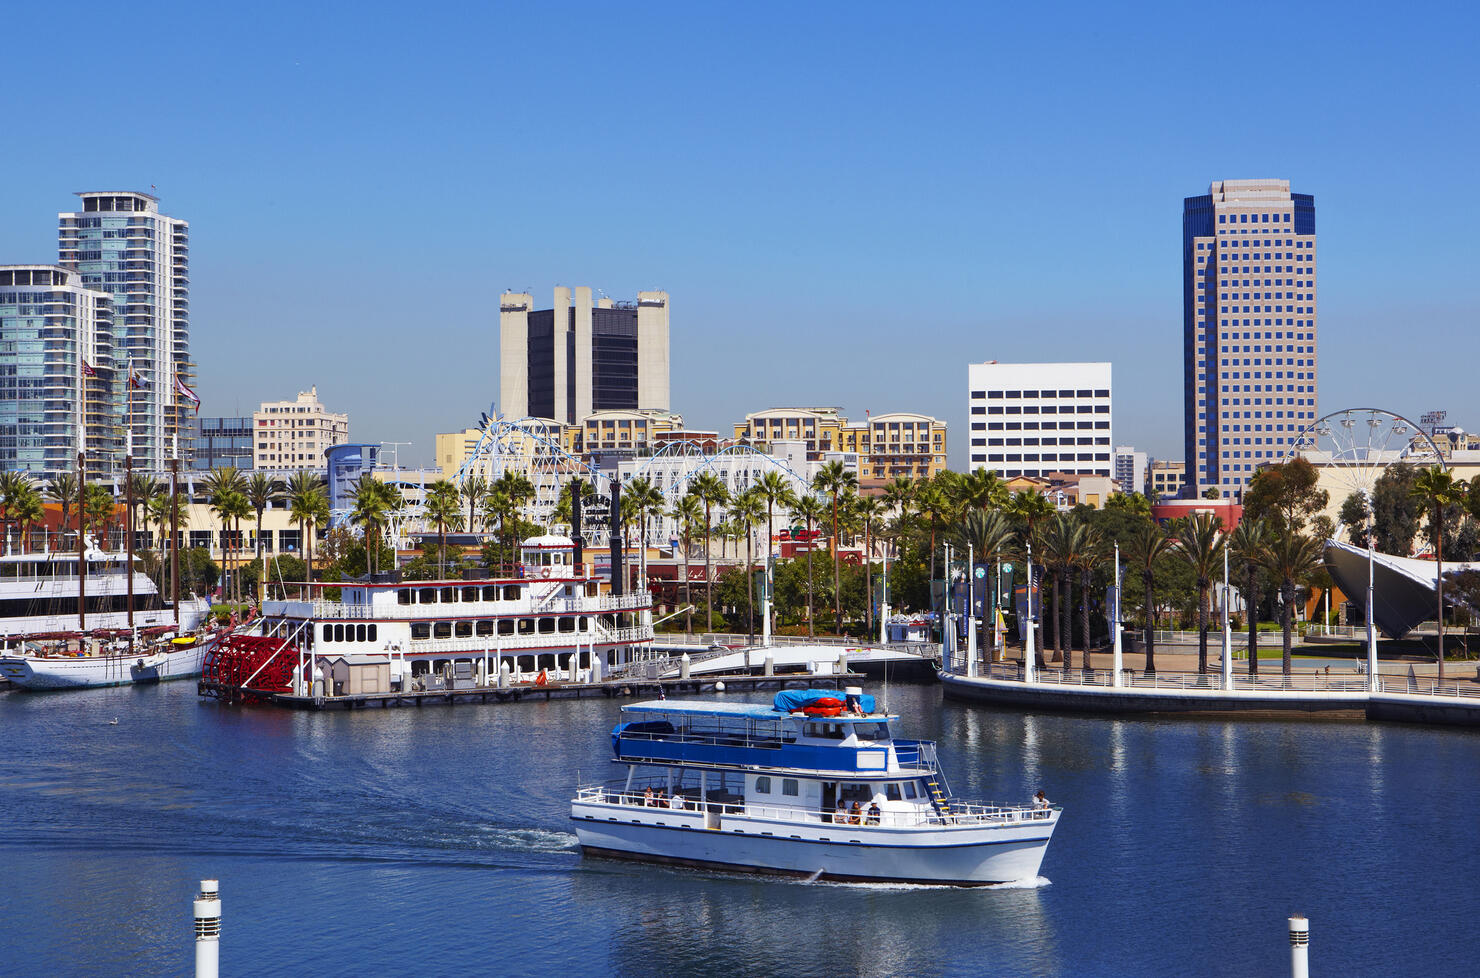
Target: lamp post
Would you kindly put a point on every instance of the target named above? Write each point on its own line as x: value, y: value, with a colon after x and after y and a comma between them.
x: 1117, y: 656
x: 1227, y: 632
x: 1029, y: 653
x: 1372, y: 682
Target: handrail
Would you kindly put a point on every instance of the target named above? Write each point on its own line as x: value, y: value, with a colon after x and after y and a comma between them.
x: 552, y: 604
x: 1308, y: 682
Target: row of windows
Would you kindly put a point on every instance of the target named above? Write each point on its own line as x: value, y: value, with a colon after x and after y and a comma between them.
x: 502, y: 626
x: 1045, y: 426
x: 997, y: 395
x: 1031, y: 409
x: 1044, y: 441
x: 1262, y: 243
x: 350, y: 633
x: 1032, y: 457
x: 449, y: 595
x: 1244, y: 218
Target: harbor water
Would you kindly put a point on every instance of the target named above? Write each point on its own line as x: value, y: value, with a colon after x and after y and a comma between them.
x: 437, y: 841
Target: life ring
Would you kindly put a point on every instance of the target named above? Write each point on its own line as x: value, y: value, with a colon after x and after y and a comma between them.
x: 544, y: 572
x: 822, y: 711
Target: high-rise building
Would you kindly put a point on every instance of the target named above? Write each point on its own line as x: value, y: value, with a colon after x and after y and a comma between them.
x: 1130, y: 469
x: 1037, y: 419
x: 222, y: 443
x: 122, y: 245
x: 59, y: 373
x: 1249, y: 329
x: 576, y: 358
x: 295, y: 434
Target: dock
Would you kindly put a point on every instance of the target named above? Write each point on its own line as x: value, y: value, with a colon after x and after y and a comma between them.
x: 619, y: 688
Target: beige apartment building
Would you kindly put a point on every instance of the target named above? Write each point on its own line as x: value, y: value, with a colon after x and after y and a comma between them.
x: 888, y: 446
x: 294, y: 434
x: 1164, y: 480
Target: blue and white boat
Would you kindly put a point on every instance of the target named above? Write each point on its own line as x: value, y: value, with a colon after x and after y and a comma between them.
x: 813, y: 785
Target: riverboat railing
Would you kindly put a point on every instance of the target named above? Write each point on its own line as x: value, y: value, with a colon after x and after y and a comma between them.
x: 727, y: 803
x: 573, y: 604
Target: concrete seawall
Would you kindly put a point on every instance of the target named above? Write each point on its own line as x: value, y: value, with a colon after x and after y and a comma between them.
x: 1214, y: 702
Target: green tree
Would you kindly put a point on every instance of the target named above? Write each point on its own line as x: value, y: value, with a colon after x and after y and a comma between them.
x: 309, y: 504
x: 26, y: 510
x: 1088, y: 555
x: 686, y: 513
x: 261, y: 491
x: 982, y: 489
x: 473, y: 489
x: 1146, y: 550
x: 371, y: 511
x: 1129, y: 502
x: 1439, y: 491
x: 1396, y: 511
x: 443, y: 509
x: 747, y: 511
x: 1290, y: 557
x: 711, y: 491
x: 811, y: 511
x: 62, y: 489
x: 871, y: 511
x: 776, y: 489
x: 1354, y: 514
x: 12, y: 484
x: 834, y: 479
x: 1285, y: 495
x: 1200, y: 544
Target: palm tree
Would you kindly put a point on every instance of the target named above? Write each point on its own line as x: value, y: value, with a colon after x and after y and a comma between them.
x: 262, y: 491
x: 1144, y: 551
x: 1438, y: 490
x: 499, y: 507
x: 372, y: 504
x: 711, y: 491
x: 1290, y: 556
x: 473, y: 489
x: 228, y: 505
x: 747, y: 510
x: 1063, y: 538
x: 982, y: 489
x: 1246, y: 545
x: 12, y: 485
x: 1090, y: 553
x: 100, y: 509
x: 776, y: 489
x: 871, y: 511
x: 62, y: 489
x: 985, y: 531
x: 647, y: 503
x: 833, y: 479
x: 900, y: 494
x: 686, y: 513
x: 144, y: 487
x: 811, y: 510
x: 26, y: 510
x: 1200, y: 543
x: 307, y: 502
x: 444, y: 509
x: 935, y: 507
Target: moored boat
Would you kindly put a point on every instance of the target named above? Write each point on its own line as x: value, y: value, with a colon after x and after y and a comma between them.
x: 813, y: 784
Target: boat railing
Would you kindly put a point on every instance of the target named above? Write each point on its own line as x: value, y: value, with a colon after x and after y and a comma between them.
x: 595, y: 604
x: 728, y: 803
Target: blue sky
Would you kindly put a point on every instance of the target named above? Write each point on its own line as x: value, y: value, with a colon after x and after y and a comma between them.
x: 848, y: 203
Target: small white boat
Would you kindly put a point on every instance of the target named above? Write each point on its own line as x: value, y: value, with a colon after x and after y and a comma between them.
x: 813, y: 785
x: 157, y: 661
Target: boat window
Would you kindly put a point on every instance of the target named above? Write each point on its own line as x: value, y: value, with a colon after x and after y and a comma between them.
x: 470, y: 594
x: 328, y: 633
x: 909, y: 790
x: 339, y: 633
x: 526, y: 626
x: 891, y: 791
x: 359, y: 633
x: 506, y: 626
x: 585, y: 624
x: 490, y: 593
x: 420, y: 629
x: 442, y: 629
x: 567, y: 624
x: 511, y: 592
x: 763, y: 785
x: 427, y: 596
x: 403, y: 595
x: 547, y: 626
x: 789, y: 786
x: 871, y: 731
x: 464, y: 629
x: 485, y: 628
x: 372, y: 633
x: 449, y: 594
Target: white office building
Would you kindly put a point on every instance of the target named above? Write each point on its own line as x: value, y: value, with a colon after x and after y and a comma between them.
x: 1130, y: 469
x: 1037, y: 419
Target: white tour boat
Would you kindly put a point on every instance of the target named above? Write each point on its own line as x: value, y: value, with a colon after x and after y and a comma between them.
x: 813, y: 785
x: 47, y: 646
x: 553, y: 623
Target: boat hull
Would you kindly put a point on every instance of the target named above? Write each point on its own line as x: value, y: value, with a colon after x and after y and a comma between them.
x: 958, y: 857
x: 92, y: 671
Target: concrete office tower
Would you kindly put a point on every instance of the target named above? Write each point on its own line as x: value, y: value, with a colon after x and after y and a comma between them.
x: 1249, y: 329
x: 582, y: 356
x: 1033, y: 419
x: 123, y: 246
x: 58, y: 373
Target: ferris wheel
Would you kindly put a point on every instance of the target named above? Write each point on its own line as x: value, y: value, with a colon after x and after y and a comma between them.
x: 1353, y: 448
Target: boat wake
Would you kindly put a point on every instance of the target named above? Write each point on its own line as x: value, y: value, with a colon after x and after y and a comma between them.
x: 1037, y: 882
x: 526, y: 840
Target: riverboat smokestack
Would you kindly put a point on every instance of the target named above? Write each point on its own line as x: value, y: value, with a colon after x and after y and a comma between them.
x: 208, y: 930
x: 578, y: 553
x: 619, y: 573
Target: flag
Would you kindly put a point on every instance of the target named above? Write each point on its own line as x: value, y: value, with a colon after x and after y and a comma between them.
x: 88, y: 371
x: 187, y: 393
x: 135, y: 379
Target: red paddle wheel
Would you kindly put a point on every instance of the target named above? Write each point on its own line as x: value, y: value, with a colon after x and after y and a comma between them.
x: 242, y: 667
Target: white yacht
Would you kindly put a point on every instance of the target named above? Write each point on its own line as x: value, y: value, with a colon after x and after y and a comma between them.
x: 813, y: 784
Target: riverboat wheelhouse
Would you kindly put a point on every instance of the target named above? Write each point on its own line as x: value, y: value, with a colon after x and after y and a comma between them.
x: 555, y: 622
x: 798, y: 788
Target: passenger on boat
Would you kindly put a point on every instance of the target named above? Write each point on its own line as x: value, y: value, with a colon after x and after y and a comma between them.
x: 855, y: 817
x: 840, y: 816
x: 1040, y: 800
x: 873, y: 813
x: 647, y: 796
x: 676, y: 801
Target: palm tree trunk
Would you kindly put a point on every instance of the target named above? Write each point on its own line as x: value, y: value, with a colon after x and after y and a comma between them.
x: 1287, y: 616
x: 1202, y: 628
x: 1146, y: 579
x: 708, y: 586
x: 1068, y: 618
x: 868, y: 581
x: 749, y: 592
x: 811, y: 630
x: 688, y: 591
x: 837, y: 567
x: 1058, y: 648
x: 1253, y: 612
x: 1439, y: 584
x: 1084, y: 585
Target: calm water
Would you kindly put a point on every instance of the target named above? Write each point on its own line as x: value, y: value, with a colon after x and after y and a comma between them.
x: 435, y: 841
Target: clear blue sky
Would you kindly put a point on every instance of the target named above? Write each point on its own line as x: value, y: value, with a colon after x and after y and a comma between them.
x: 848, y: 203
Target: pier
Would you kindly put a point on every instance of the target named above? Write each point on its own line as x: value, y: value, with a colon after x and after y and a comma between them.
x: 620, y: 688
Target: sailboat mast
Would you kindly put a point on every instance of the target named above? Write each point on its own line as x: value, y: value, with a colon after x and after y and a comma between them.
x: 128, y: 523
x: 175, y: 535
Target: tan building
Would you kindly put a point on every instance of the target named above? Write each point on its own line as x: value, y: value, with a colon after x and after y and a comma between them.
x: 887, y: 446
x: 620, y: 431
x: 290, y: 435
x: 1164, y: 480
x: 818, y: 428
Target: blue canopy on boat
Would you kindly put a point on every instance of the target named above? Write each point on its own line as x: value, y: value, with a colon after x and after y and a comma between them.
x: 791, y: 700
